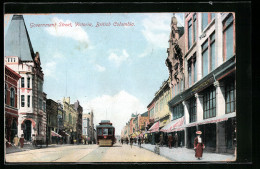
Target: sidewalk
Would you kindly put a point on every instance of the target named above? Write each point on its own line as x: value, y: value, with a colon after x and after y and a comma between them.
x: 27, y: 147
x: 188, y: 155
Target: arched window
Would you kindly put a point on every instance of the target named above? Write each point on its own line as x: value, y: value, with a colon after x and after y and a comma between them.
x: 12, y: 97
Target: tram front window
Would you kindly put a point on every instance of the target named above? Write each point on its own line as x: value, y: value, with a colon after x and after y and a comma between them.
x: 100, y: 132
x: 105, y: 132
x: 110, y: 131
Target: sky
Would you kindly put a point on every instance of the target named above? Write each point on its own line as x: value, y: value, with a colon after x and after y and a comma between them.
x: 112, y: 70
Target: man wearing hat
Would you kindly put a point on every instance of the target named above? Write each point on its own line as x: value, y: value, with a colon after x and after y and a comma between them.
x: 198, y: 145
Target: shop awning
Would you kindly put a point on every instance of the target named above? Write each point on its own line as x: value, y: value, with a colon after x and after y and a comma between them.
x: 213, y: 120
x: 175, y: 125
x: 155, y: 127
x: 54, y: 134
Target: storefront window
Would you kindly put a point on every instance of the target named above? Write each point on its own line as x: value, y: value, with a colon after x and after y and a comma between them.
x: 192, y: 109
x: 230, y: 97
x: 209, y: 103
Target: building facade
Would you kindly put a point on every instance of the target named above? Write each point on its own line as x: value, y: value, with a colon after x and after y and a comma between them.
x: 11, y: 108
x: 88, y: 127
x: 70, y: 120
x: 52, y: 121
x: 79, y: 109
x: 20, y: 57
x: 208, y: 101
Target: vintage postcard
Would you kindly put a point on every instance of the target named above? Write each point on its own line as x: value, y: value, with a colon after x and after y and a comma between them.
x: 120, y: 87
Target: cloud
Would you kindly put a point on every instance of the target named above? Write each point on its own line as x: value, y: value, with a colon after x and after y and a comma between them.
x: 76, y: 33
x: 50, y: 69
x: 156, y: 29
x: 57, y: 55
x: 100, y: 68
x: 117, y: 108
x: 118, y: 59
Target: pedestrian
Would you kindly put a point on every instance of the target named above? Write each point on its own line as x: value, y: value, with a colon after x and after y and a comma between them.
x: 122, y: 141
x: 142, y: 140
x: 16, y: 140
x: 21, y: 141
x: 127, y: 140
x: 170, y: 139
x: 198, y: 145
x: 139, y: 142
x: 176, y: 140
x: 131, y: 141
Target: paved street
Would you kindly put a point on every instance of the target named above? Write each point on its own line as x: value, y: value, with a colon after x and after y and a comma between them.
x: 86, y: 153
x: 117, y: 153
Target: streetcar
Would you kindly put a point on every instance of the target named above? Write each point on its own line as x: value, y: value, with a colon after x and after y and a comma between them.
x: 105, y: 133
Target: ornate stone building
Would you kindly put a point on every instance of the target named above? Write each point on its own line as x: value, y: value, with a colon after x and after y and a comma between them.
x: 20, y: 57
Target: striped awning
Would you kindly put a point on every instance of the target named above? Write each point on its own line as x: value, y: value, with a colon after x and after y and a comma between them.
x: 155, y: 127
x: 54, y: 134
x: 175, y: 125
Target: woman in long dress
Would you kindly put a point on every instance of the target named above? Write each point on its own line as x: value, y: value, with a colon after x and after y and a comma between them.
x: 198, y: 145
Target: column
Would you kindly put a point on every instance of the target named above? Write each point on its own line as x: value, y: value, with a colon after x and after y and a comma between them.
x: 198, y: 46
x: 220, y: 98
x: 186, y: 121
x: 199, y: 103
x: 220, y: 111
x: 219, y: 39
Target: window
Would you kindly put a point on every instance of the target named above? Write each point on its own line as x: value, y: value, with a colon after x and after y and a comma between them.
x: 22, y: 82
x: 209, y: 103
x: 40, y: 104
x: 100, y: 132
x: 44, y: 106
x: 28, y: 101
x: 190, y: 33
x: 28, y: 82
x: 178, y: 111
x: 110, y: 131
x: 189, y: 73
x: 206, y: 19
x: 194, y: 27
x: 105, y: 132
x: 22, y: 101
x: 209, y: 55
x: 194, y: 68
x: 228, y: 37
x: 205, y: 59
x: 230, y: 97
x: 212, y: 51
x: 12, y: 96
x: 192, y: 109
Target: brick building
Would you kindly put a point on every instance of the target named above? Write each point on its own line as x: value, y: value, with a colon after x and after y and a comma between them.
x: 11, y: 109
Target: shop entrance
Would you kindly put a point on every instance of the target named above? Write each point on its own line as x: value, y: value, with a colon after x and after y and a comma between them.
x: 27, y: 130
x: 209, y: 136
x: 191, y: 136
x: 13, y: 129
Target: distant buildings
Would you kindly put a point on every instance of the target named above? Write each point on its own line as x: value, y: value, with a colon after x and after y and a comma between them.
x: 88, y: 128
